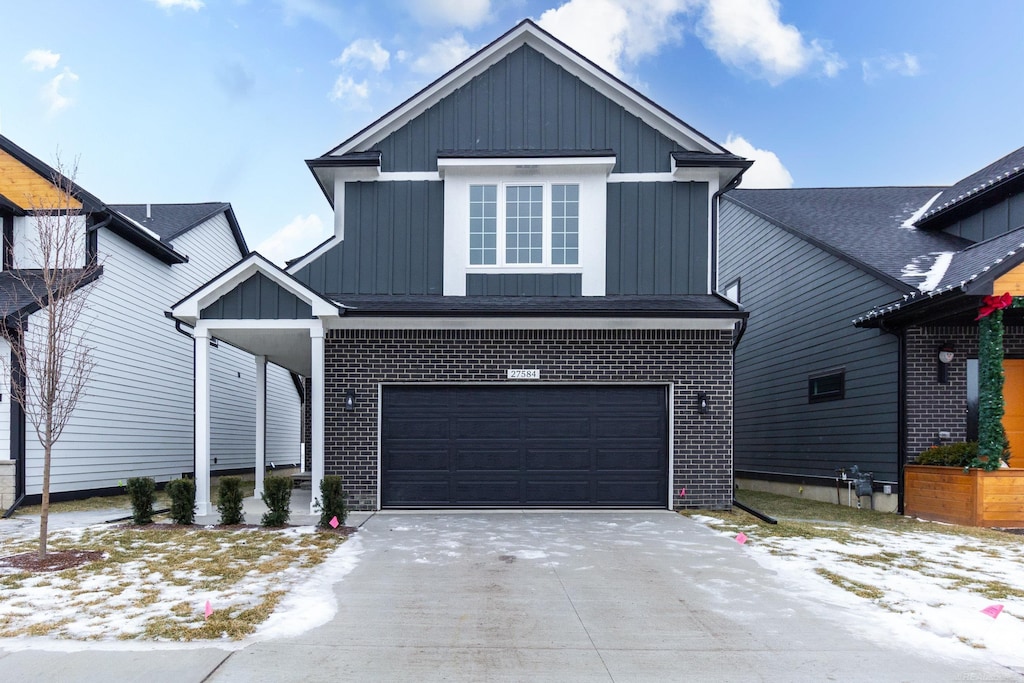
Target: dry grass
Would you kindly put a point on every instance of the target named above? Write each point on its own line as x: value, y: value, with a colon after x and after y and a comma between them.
x: 121, y: 502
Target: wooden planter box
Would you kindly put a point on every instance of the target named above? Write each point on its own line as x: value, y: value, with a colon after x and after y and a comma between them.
x: 972, y: 498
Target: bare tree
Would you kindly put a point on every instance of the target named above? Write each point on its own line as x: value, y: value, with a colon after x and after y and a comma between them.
x: 50, y: 354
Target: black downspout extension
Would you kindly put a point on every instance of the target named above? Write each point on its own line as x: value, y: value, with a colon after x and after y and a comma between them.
x: 901, y: 392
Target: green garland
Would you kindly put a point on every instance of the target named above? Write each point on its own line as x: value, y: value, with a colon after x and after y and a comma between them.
x: 991, y: 436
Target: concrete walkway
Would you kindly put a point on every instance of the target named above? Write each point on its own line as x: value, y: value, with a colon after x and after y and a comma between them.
x: 645, y: 596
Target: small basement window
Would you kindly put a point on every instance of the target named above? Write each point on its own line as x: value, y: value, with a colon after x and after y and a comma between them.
x: 827, y: 387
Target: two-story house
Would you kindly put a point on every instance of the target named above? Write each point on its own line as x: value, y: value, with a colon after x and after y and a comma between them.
x: 135, y: 417
x: 517, y: 307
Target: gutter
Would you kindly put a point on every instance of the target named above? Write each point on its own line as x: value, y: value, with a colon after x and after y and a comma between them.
x: 901, y: 393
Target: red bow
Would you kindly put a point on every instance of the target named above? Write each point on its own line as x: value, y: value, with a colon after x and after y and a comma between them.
x: 991, y: 304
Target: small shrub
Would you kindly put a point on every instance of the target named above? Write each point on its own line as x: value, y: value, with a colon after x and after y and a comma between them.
x: 950, y: 455
x: 277, y: 494
x: 142, y: 493
x: 229, y: 500
x: 183, y: 500
x: 332, y: 501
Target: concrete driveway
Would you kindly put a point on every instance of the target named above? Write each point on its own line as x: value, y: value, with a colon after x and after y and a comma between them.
x: 602, y: 596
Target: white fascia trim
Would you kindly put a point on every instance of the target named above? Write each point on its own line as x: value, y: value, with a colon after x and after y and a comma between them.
x: 642, y: 178
x: 242, y: 271
x: 597, y: 78
x: 416, y: 176
x: 211, y: 326
x: 527, y: 323
x: 314, y: 255
x: 569, y: 164
x: 332, y: 176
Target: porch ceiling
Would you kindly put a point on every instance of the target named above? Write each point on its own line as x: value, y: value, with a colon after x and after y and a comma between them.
x: 289, y: 348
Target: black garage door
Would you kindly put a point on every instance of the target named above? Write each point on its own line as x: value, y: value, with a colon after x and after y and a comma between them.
x: 524, y: 446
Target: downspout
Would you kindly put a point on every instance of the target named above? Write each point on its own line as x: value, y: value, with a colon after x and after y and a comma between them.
x: 177, y: 326
x: 901, y: 392
x: 16, y: 431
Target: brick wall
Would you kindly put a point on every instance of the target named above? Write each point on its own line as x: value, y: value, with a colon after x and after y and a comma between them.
x: 693, y: 360
x: 932, y: 407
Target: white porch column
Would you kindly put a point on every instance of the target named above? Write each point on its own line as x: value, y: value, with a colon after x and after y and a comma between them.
x: 316, y: 335
x: 202, y: 420
x: 261, y: 422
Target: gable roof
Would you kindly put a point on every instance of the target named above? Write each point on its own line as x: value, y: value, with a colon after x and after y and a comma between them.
x: 870, y: 227
x: 989, y: 184
x: 48, y: 173
x: 527, y: 32
x: 170, y: 221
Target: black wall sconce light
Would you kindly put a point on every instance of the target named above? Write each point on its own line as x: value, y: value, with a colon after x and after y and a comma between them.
x: 946, y: 355
x: 350, y: 399
x: 702, y: 402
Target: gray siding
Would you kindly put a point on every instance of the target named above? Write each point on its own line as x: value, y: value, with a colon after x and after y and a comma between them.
x: 258, y: 298
x: 996, y: 220
x: 538, y: 284
x: 801, y: 301
x: 394, y: 242
x: 526, y: 102
x: 657, y: 238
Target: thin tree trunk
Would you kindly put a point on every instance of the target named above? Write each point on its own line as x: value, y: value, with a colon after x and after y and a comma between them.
x: 44, y: 514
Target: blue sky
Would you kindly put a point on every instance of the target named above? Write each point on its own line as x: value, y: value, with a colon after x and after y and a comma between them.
x: 224, y: 100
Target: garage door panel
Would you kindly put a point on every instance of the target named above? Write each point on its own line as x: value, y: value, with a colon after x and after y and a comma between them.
x: 418, y: 459
x: 525, y: 445
x: 491, y: 428
x: 556, y: 427
x: 558, y: 459
x: 483, y: 459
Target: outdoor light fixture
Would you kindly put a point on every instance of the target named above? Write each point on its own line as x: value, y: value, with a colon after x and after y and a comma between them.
x: 350, y: 399
x: 702, y: 402
x: 946, y: 356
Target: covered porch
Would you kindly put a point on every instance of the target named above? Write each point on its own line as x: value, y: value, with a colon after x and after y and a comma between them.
x: 257, y: 307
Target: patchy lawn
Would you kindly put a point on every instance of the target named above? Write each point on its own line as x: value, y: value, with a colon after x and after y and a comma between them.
x: 924, y: 578
x: 153, y: 583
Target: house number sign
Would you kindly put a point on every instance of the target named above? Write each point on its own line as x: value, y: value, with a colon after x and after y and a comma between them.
x: 523, y: 373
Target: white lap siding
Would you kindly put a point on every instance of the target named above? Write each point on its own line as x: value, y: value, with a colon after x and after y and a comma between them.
x: 282, y: 418
x: 136, y: 418
x: 5, y: 402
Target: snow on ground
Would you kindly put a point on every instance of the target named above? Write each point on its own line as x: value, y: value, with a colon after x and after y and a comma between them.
x: 928, y: 589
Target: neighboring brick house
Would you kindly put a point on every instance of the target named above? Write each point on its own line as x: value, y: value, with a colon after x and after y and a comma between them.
x: 852, y: 293
x: 517, y: 308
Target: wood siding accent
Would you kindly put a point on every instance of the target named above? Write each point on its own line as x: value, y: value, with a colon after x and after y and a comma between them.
x: 28, y: 189
x: 526, y: 102
x: 802, y: 300
x: 1012, y: 282
x: 525, y: 284
x: 972, y: 498
x: 998, y: 219
x: 136, y: 418
x: 657, y: 238
x: 394, y: 242
x: 258, y: 298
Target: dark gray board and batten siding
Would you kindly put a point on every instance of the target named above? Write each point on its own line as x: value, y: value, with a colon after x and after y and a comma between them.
x: 524, y: 284
x: 526, y: 102
x: 258, y: 298
x: 998, y: 219
x: 801, y: 300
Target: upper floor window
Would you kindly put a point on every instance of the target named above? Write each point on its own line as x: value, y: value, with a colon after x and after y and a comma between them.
x: 540, y: 224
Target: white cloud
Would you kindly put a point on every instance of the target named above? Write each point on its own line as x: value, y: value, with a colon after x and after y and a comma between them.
x: 464, y: 13
x: 347, y: 89
x: 749, y: 35
x: 53, y: 92
x: 904, y: 64
x: 611, y: 32
x: 443, y: 55
x: 40, y: 60
x: 364, y: 51
x: 767, y: 171
x: 194, y: 5
x: 299, y: 236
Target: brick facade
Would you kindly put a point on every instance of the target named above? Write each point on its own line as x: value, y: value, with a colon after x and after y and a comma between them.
x: 932, y: 407
x: 692, y: 360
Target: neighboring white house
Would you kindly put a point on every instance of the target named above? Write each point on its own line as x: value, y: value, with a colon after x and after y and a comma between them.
x: 136, y: 418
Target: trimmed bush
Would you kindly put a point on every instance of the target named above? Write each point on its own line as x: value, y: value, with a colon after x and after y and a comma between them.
x: 183, y: 500
x: 950, y: 455
x: 142, y: 493
x: 277, y: 494
x: 229, y: 500
x: 332, y: 501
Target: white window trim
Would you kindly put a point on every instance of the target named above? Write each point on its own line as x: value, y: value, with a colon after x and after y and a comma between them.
x: 589, y: 173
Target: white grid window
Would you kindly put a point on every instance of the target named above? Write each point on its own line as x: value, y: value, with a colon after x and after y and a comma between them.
x: 483, y: 225
x: 542, y: 225
x: 565, y: 224
x: 524, y: 224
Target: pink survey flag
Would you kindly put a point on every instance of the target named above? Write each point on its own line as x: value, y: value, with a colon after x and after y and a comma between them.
x: 334, y: 522
x: 992, y: 610
x: 741, y: 538
x: 682, y: 492
x: 209, y: 609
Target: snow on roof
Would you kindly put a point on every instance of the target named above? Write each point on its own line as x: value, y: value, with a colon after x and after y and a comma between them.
x: 913, y: 218
x: 930, y: 268
x: 138, y: 225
